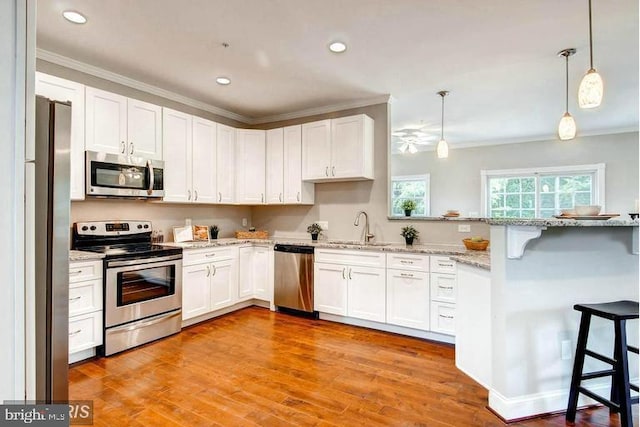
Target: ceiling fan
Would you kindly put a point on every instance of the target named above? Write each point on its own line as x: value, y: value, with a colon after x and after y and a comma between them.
x: 410, y: 139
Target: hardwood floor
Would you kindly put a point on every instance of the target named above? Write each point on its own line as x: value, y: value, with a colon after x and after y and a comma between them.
x: 258, y: 368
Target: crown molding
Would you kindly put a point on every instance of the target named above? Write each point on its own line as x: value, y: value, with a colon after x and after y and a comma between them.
x: 83, y: 67
x: 383, y: 99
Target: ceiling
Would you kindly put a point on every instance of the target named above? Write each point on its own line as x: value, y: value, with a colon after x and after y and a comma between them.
x: 496, y: 57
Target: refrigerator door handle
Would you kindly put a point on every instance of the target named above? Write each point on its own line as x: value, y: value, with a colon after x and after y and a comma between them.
x: 151, y: 177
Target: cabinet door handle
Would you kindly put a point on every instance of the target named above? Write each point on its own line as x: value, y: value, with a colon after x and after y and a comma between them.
x: 326, y: 170
x: 195, y: 195
x: 280, y: 197
x: 406, y: 274
x: 188, y: 194
x: 445, y: 287
x: 214, y: 270
x: 350, y: 274
x: 445, y: 317
x: 75, y: 272
x: 261, y: 197
x: 343, y: 273
x: 298, y: 196
x: 441, y: 264
x: 124, y: 147
x: 208, y: 271
x: 219, y: 196
x: 209, y: 255
x: 404, y: 261
x: 131, y: 148
x: 75, y: 298
x: 333, y: 171
x: 76, y: 332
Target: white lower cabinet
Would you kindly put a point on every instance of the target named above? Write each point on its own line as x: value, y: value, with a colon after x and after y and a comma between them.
x: 85, y: 309
x: 256, y: 273
x: 408, y: 299
x: 443, y: 317
x: 209, y: 280
x: 444, y: 290
x: 355, y: 288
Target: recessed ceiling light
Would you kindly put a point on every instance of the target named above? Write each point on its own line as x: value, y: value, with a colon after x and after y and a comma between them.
x: 223, y: 80
x: 75, y: 17
x: 337, y: 47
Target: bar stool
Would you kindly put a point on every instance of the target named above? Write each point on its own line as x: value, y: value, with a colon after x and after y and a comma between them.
x: 620, y: 400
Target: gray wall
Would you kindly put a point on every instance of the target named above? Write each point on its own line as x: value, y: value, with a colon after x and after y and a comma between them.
x: 455, y: 182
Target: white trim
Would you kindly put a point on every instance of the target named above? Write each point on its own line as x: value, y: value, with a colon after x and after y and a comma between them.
x: 383, y: 99
x: 64, y: 61
x: 83, y: 67
x: 426, y: 177
x: 598, y: 169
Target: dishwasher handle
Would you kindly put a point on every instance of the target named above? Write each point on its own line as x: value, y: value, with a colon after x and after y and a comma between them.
x: 294, y: 249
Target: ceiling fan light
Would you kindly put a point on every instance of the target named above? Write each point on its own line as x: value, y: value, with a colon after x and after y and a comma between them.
x: 442, y: 149
x: 567, y: 127
x: 591, y: 90
x: 412, y: 149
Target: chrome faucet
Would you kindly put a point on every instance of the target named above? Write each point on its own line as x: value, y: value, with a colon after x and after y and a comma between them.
x: 367, y: 235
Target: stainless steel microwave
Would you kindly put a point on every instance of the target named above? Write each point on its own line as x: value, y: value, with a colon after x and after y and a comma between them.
x: 112, y: 175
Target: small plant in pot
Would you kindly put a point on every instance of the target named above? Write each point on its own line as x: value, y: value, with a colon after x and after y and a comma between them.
x: 213, y: 231
x: 409, y: 233
x: 315, y: 230
x: 408, y: 206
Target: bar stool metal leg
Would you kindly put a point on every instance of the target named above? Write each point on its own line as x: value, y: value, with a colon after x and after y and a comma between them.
x: 578, y: 363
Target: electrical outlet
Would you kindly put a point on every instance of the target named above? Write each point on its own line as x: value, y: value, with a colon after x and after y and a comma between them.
x: 565, y: 350
x: 244, y: 222
x: 323, y: 224
x: 464, y: 228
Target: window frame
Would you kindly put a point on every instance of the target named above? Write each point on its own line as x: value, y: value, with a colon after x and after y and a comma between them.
x: 596, y: 169
x: 418, y: 177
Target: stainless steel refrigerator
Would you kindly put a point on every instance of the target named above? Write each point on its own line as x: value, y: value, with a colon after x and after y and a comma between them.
x: 50, y: 174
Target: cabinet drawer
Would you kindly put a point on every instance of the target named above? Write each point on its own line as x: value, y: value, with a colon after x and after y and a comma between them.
x: 443, y: 287
x: 85, y: 331
x: 353, y: 258
x: 443, y: 318
x: 80, y: 271
x: 85, y: 297
x: 198, y: 256
x: 442, y: 264
x: 403, y: 261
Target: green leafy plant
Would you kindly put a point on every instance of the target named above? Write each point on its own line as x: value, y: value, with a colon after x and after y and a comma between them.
x: 408, y: 205
x: 314, y: 228
x: 409, y: 232
x: 214, y: 228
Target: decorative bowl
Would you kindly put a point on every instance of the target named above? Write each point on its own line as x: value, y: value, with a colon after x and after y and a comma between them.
x: 588, y: 210
x: 475, y: 246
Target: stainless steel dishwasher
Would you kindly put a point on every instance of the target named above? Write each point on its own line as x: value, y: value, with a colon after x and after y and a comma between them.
x: 293, y: 284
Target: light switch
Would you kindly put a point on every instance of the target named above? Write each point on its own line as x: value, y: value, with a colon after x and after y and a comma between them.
x: 464, y: 228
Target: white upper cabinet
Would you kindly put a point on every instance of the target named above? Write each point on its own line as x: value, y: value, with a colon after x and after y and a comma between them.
x: 295, y: 190
x: 119, y: 125
x: 316, y: 150
x: 250, y: 166
x: 225, y: 163
x: 275, y: 166
x: 190, y: 158
x: 203, y: 162
x: 177, y: 134
x: 338, y: 149
x: 63, y: 90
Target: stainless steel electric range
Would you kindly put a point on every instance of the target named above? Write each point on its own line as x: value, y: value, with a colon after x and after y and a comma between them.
x: 142, y: 282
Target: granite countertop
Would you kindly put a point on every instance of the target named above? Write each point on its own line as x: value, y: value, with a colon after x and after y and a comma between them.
x: 84, y: 256
x: 479, y: 259
x: 613, y: 222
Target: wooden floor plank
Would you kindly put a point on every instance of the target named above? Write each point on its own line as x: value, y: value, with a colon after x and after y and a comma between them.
x: 259, y: 368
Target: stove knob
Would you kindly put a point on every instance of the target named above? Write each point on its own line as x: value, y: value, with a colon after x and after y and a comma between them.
x: 146, y: 226
x: 92, y: 228
x: 85, y: 228
x: 139, y: 226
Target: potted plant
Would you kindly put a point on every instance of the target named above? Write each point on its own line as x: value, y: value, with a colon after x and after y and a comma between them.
x: 408, y: 205
x: 213, y: 231
x: 314, y: 229
x: 409, y: 233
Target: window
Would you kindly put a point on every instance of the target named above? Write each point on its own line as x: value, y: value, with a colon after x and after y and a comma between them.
x: 541, y: 192
x: 410, y: 187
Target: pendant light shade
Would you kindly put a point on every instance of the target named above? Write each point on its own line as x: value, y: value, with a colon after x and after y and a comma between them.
x: 591, y: 87
x: 567, y: 126
x: 442, y: 149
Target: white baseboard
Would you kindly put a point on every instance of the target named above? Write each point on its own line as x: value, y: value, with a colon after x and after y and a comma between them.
x: 81, y: 355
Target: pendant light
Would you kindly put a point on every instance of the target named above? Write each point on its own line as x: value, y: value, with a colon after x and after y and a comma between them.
x: 567, y: 126
x: 591, y: 87
x: 442, y: 148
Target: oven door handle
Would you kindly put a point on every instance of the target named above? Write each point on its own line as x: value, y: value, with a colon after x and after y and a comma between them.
x: 156, y: 319
x: 142, y: 262
x: 151, y: 177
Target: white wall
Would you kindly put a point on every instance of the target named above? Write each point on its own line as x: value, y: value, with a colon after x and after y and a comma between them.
x: 12, y: 98
x: 455, y: 182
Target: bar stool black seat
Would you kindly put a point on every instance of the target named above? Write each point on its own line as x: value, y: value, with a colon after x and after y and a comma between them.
x: 620, y: 399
